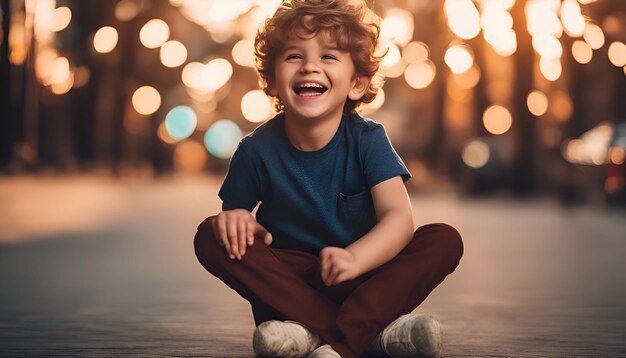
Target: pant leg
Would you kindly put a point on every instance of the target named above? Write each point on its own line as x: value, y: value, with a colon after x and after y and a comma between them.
x: 267, y: 275
x: 400, y: 285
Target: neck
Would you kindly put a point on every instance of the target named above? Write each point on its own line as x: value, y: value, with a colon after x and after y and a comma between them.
x: 311, y: 135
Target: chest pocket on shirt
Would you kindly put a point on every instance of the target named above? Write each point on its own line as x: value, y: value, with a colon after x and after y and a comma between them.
x: 358, y: 211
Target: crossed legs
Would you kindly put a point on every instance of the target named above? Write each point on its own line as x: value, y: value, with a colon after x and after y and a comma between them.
x: 286, y: 284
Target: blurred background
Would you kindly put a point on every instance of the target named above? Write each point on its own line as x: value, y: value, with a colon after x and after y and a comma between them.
x: 118, y: 119
x: 523, y: 97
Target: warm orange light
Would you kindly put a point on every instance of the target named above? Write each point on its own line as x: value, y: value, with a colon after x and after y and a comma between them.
x: 459, y: 58
x: 463, y: 18
x: 562, y: 106
x: 256, y: 106
x: 105, y: 39
x: 550, y: 69
x: 420, y: 74
x: 581, y: 52
x: 243, y: 53
x: 537, y: 103
x: 61, y: 17
x: 475, y: 154
x: 146, y: 100
x: 154, y: 33
x: 415, y: 51
x: 617, y: 53
x: 497, y: 120
x: 594, y: 36
x: 173, y: 54
x: 190, y: 156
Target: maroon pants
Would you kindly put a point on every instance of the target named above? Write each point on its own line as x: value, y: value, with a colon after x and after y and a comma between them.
x: 286, y: 284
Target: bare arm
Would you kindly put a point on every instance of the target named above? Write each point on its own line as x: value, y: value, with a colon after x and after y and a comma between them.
x: 386, y: 239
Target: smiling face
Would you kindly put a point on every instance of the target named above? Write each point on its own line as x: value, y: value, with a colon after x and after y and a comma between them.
x: 313, y: 78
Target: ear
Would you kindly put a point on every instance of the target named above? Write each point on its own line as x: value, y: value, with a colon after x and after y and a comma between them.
x: 359, y: 87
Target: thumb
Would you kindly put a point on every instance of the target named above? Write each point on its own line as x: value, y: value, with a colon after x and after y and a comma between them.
x: 262, y: 232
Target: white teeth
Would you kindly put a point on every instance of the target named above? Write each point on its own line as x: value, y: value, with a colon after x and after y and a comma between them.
x: 310, y: 85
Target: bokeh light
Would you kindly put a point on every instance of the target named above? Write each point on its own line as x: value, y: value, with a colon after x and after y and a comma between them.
x: 475, y: 154
x: 256, y: 106
x: 126, y: 10
x: 164, y: 136
x: 547, y: 46
x: 192, y: 75
x: 463, y: 18
x: 537, y: 103
x: 497, y: 120
x: 60, y: 19
x: 375, y: 105
x: 391, y: 58
x: 173, y: 54
x: 572, y: 18
x: 60, y: 70
x: 468, y: 79
x: 243, y: 53
x: 222, y: 138
x: 594, y: 36
x: 420, y: 74
x: 181, y: 122
x: 617, y: 53
x: 414, y: 51
x: 60, y: 88
x: 397, y: 26
x: 105, y: 39
x: 216, y: 73
x: 190, y: 156
x: 581, y: 52
x: 562, y: 106
x: 459, y: 58
x: 154, y: 33
x: 550, y: 69
x: 146, y: 100
x: 81, y: 76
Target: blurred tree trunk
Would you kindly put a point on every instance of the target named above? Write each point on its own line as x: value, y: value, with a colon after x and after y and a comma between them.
x: 6, y: 116
x: 523, y: 171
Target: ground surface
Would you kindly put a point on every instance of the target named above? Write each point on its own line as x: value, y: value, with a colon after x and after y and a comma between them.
x: 94, y: 267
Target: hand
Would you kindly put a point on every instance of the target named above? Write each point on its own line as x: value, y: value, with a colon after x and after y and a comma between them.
x: 236, y: 228
x: 338, y: 265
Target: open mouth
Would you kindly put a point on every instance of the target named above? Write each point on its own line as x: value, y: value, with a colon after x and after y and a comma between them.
x: 309, y: 89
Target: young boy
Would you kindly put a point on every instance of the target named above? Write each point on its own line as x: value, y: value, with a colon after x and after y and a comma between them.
x: 330, y: 264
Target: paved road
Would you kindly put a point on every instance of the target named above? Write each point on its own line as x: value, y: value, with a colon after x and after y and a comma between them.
x: 90, y: 267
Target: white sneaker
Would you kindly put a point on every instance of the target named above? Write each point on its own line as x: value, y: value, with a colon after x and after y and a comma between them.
x: 325, y: 351
x: 410, y: 336
x: 286, y: 339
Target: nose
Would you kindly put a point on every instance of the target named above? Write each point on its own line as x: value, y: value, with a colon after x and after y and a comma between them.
x: 310, y: 66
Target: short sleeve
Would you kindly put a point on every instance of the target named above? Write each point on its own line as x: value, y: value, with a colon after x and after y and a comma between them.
x: 241, y: 186
x: 380, y: 160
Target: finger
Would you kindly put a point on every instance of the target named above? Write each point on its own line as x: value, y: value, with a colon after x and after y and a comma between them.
x: 332, y: 277
x: 262, y: 232
x: 250, y: 232
x: 241, y: 233
x: 223, y: 233
x: 232, y: 238
x: 342, y: 277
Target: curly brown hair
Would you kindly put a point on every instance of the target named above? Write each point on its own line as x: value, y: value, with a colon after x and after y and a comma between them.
x: 350, y: 23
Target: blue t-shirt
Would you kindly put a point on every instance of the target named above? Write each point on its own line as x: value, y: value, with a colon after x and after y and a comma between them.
x: 310, y: 200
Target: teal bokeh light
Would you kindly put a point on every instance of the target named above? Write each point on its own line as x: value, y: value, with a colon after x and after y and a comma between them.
x: 222, y: 137
x: 180, y: 122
